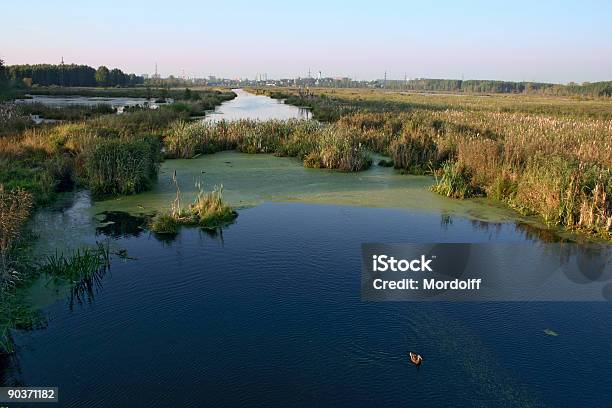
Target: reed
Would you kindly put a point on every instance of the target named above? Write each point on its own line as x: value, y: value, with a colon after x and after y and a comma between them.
x: 455, y: 181
x: 78, y: 266
x: 332, y: 147
x: 208, y: 210
x: 549, y: 156
x: 116, y: 166
x: 339, y: 149
x: 15, y: 206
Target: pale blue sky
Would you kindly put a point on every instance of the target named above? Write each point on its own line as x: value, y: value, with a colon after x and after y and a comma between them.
x: 553, y: 41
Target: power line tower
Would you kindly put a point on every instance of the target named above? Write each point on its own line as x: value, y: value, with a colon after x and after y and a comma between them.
x: 385, y: 83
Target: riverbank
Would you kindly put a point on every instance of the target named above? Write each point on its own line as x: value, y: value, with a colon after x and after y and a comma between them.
x: 550, y: 157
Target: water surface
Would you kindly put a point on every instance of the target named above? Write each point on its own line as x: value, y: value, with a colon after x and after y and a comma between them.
x: 269, y: 310
x: 69, y: 100
x: 250, y: 106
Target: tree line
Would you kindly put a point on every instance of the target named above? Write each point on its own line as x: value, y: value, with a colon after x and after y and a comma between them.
x: 601, y: 89
x: 68, y: 75
x: 3, y: 75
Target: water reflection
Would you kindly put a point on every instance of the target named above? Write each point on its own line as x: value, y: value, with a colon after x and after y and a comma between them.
x: 250, y: 106
x: 120, y: 224
x: 167, y: 238
x: 10, y: 372
x: 446, y: 220
x: 535, y: 233
x: 85, y: 289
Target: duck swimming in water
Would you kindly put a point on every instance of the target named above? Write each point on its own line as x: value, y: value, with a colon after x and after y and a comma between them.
x: 415, y: 359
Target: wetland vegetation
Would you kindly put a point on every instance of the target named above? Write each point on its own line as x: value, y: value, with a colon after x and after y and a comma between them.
x: 208, y: 210
x: 92, y: 148
x: 540, y: 155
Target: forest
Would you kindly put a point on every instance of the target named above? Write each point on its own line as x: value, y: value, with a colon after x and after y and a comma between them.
x: 69, y: 75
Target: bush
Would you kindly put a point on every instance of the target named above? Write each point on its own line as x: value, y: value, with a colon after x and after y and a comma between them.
x: 119, y: 166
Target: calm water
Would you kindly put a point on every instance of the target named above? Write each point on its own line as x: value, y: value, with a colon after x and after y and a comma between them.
x: 62, y: 101
x: 249, y: 106
x: 268, y: 310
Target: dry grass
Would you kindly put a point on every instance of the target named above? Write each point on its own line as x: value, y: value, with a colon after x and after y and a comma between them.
x: 550, y: 156
x: 15, y: 206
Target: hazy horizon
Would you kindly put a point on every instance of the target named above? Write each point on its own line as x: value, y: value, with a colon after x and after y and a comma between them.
x: 556, y: 42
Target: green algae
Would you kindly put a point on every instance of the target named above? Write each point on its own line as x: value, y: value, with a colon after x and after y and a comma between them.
x: 250, y: 180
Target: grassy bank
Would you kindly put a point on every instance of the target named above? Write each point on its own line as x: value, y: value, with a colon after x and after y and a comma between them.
x: 550, y: 157
x: 318, y: 146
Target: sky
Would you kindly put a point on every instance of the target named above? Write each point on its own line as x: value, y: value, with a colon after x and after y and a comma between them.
x: 547, y: 41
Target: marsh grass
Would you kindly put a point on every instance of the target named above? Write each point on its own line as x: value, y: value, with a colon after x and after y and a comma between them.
x: 70, y: 112
x: 208, y: 210
x: 455, y: 181
x: 82, y: 270
x: 321, y: 146
x: 115, y: 166
x: 165, y: 223
x: 15, y: 206
x: 339, y: 149
x: 549, y: 156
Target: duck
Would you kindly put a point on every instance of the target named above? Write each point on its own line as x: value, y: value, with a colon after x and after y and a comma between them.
x: 415, y: 358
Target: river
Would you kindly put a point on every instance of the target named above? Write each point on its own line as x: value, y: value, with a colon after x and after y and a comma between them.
x: 268, y: 311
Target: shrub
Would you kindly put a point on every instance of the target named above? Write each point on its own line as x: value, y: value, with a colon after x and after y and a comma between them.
x: 119, y: 166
